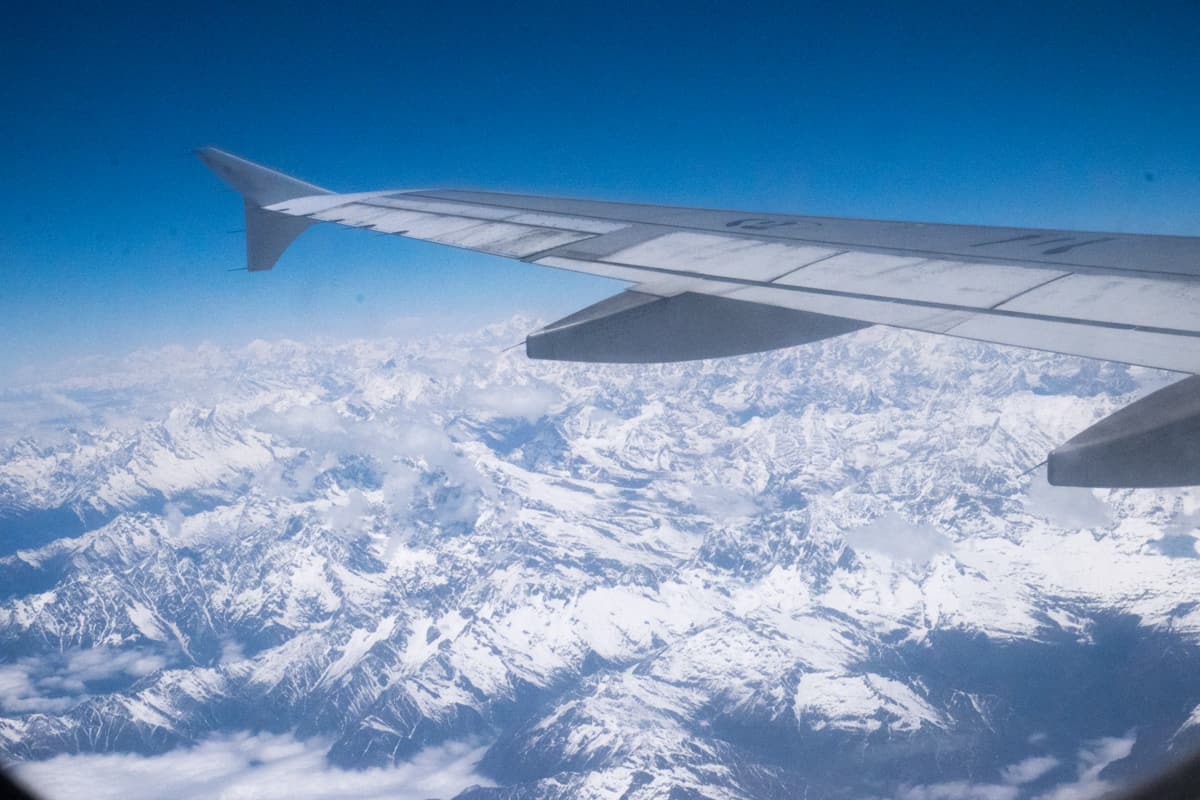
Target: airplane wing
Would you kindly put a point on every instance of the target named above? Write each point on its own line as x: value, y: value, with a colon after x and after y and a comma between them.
x: 710, y: 283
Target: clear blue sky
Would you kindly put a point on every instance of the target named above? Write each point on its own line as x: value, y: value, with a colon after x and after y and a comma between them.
x: 112, y: 237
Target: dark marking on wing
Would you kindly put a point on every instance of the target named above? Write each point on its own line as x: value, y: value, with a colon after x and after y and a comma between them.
x: 1037, y: 240
x: 758, y: 223
x: 1053, y: 251
x: 1013, y: 239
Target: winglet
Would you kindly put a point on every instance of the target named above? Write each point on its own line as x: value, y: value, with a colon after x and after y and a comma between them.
x: 260, y: 185
x: 268, y: 233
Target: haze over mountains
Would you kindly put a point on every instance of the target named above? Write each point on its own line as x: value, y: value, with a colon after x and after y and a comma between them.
x: 433, y: 568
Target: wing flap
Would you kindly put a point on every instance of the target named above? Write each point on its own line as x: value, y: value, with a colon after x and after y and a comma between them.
x: 598, y: 268
x: 721, y: 256
x: 1164, y: 303
x: 929, y: 280
x: 1162, y: 349
x: 1179, y: 351
x: 883, y: 311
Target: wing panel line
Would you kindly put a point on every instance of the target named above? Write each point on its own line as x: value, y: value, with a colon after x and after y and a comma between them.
x: 1030, y: 289
x: 924, y: 304
x: 916, y: 303
x: 982, y: 258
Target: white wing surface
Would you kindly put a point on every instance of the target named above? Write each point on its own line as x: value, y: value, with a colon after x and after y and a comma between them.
x: 711, y: 283
x: 1123, y: 297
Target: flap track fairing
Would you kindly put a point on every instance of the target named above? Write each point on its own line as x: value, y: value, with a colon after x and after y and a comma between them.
x: 639, y: 328
x: 1153, y: 443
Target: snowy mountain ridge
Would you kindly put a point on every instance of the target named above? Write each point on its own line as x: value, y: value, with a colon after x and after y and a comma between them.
x: 810, y: 570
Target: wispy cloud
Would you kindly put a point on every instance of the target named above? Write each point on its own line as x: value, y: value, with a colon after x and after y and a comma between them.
x: 960, y: 790
x: 895, y: 537
x: 263, y: 766
x: 725, y: 504
x: 55, y: 683
x: 1067, y: 507
x: 400, y: 448
x: 1028, y: 770
x: 1093, y: 757
x: 516, y: 401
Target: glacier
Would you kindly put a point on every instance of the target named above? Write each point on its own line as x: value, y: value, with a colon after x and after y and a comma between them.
x: 813, y: 572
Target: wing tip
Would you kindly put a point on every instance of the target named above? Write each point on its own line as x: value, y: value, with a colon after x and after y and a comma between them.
x: 260, y: 185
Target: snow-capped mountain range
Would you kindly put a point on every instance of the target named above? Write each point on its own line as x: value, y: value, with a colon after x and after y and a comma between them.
x: 815, y: 572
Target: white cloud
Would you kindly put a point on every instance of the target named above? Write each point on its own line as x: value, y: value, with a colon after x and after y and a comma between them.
x: 173, y: 516
x: 44, y: 414
x: 1012, y: 778
x: 1028, y: 770
x: 311, y: 425
x: 1094, y: 756
x: 350, y: 518
x: 98, y: 663
x: 56, y: 683
x: 723, y: 503
x: 19, y: 694
x: 959, y: 790
x: 401, y: 448
x: 231, y: 652
x: 525, y: 402
x: 895, y: 537
x: 1067, y: 507
x: 65, y: 403
x: 245, y: 766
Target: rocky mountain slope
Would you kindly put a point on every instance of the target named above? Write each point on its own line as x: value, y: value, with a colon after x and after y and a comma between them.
x: 811, y: 571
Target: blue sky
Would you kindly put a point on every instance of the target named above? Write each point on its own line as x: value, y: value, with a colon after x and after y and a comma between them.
x: 112, y: 237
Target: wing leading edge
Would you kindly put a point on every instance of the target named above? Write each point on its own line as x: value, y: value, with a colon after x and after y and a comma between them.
x: 709, y: 283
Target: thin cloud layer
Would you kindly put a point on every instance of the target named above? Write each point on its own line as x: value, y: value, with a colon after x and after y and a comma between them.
x: 56, y: 683
x: 896, y: 538
x: 1067, y: 507
x: 263, y: 766
x: 1091, y: 760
